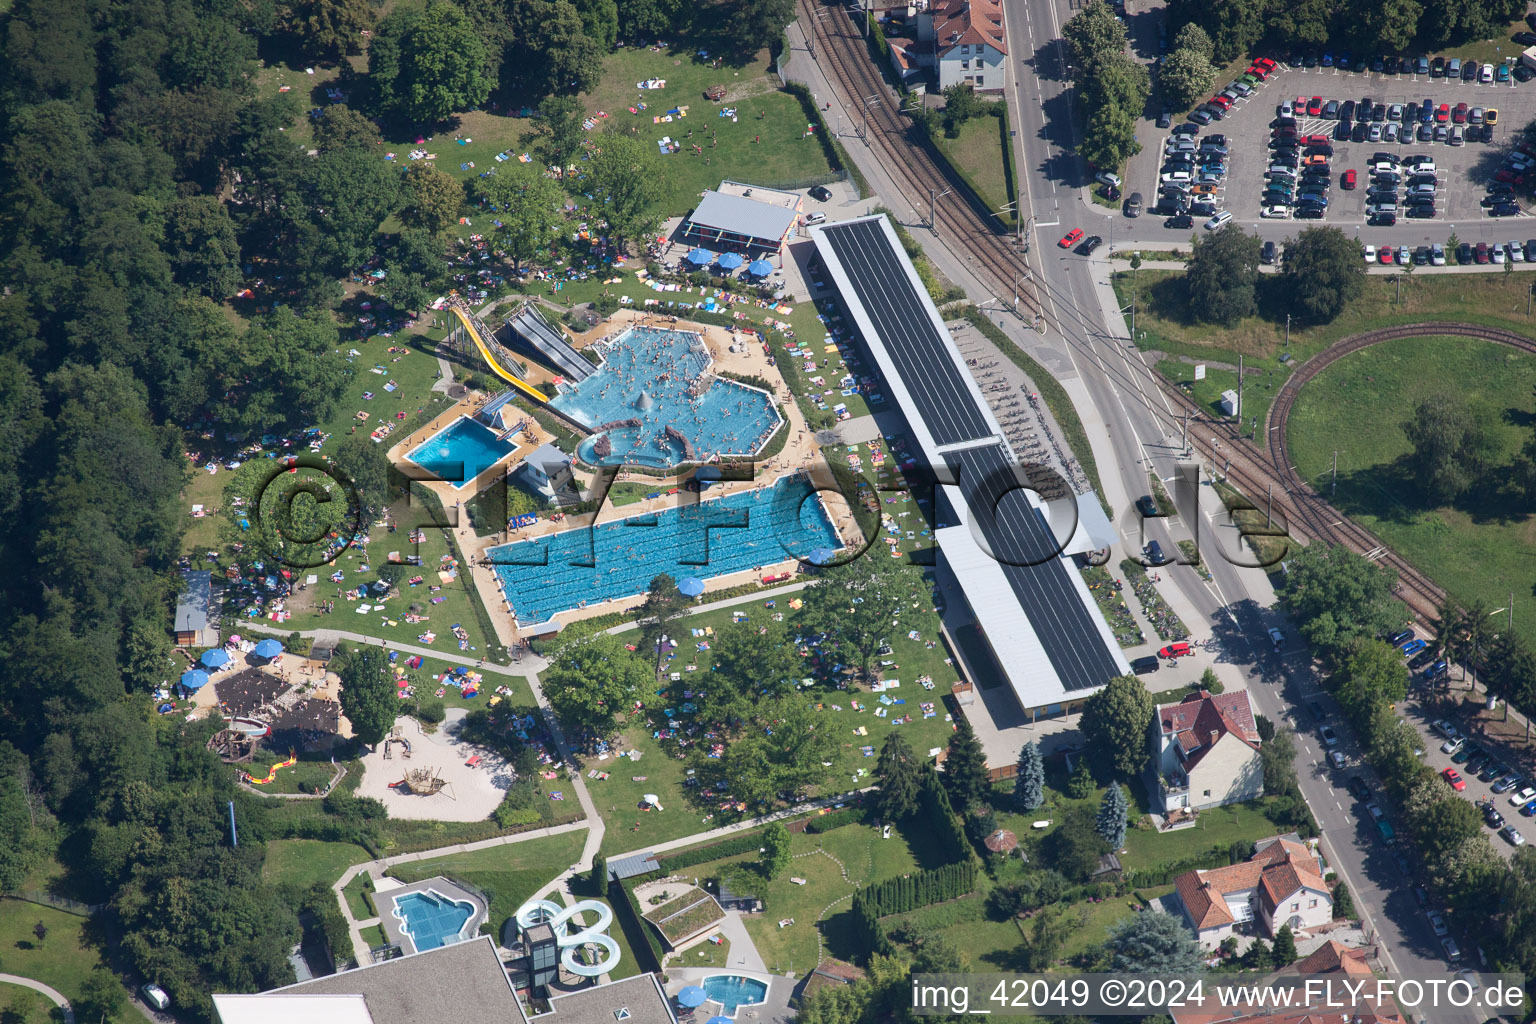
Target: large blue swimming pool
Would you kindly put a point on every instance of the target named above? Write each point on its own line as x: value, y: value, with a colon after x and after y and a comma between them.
x: 549, y: 575
x: 463, y: 443
x: 652, y: 379
x: 432, y: 920
x: 733, y: 991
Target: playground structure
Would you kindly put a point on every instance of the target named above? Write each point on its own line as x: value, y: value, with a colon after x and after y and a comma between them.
x: 557, y: 917
x: 484, y: 341
x: 234, y: 746
x: 423, y: 782
x: 272, y: 773
x: 395, y: 737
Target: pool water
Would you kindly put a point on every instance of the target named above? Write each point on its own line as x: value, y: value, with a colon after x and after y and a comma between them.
x: 643, y: 387
x: 548, y: 575
x: 732, y: 991
x: 466, y: 443
x: 432, y: 920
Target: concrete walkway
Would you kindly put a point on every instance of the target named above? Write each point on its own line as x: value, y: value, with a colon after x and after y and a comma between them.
x: 740, y: 826
x: 729, y: 602
x: 51, y: 994
x: 744, y: 955
x: 529, y: 663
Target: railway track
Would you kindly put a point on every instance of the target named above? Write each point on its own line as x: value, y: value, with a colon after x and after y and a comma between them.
x: 842, y: 51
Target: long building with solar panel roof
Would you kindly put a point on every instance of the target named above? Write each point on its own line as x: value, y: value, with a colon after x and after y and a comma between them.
x: 1003, y: 548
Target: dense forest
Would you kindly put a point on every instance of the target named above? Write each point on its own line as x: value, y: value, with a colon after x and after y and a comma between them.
x: 143, y: 182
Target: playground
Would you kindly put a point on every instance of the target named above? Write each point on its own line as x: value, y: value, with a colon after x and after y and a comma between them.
x: 420, y: 775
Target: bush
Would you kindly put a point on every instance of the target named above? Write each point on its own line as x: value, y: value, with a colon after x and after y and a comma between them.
x: 837, y: 819
x: 747, y: 842
x: 431, y: 711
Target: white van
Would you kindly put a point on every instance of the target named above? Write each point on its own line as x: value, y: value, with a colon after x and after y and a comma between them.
x: 815, y: 218
x: 1218, y: 220
x: 155, y: 996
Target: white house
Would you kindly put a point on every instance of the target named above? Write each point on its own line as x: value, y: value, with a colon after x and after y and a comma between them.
x: 963, y: 40
x: 1205, y: 752
x: 1281, y: 884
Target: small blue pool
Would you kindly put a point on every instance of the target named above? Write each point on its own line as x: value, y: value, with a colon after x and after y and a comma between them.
x: 461, y: 451
x: 432, y: 919
x: 548, y: 575
x: 732, y: 991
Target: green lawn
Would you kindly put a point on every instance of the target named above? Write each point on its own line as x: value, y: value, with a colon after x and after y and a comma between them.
x: 373, y: 936
x: 300, y: 863
x: 661, y: 771
x: 62, y: 959
x: 1219, y: 826
x: 978, y: 153
x: 359, y: 897
x: 1474, y: 547
x: 509, y: 874
x: 1495, y: 299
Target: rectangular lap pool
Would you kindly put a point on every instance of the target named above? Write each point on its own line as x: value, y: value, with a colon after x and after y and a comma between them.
x: 432, y: 919
x: 461, y: 451
x: 549, y: 575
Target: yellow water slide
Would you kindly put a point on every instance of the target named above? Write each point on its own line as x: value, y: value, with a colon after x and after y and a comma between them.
x: 469, y: 320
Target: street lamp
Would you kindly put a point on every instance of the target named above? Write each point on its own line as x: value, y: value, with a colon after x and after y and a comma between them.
x: 933, y: 197
x: 872, y: 98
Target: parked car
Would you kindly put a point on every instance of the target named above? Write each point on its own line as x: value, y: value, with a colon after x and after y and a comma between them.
x: 1218, y: 220
x: 1454, y: 779
x: 1330, y: 738
x: 1357, y: 785
x: 1412, y: 647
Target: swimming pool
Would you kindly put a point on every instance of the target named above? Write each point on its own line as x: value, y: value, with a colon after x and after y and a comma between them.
x: 654, y: 403
x: 463, y: 443
x: 432, y: 919
x: 733, y: 991
x: 548, y: 575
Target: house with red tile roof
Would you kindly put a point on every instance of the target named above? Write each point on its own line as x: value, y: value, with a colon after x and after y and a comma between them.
x: 1205, y: 752
x: 1330, y: 958
x: 1281, y: 884
x: 965, y: 42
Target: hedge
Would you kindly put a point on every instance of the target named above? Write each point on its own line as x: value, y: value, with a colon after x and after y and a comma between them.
x: 746, y: 842
x: 908, y: 893
x: 939, y: 816
x: 837, y: 819
x: 1215, y: 857
x: 627, y: 911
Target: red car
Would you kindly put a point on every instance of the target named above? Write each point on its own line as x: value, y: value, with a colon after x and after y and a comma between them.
x: 1452, y: 776
x: 1384, y: 254
x: 1314, y: 106
x: 1260, y: 72
x: 1315, y: 140
x: 1221, y: 101
x: 1509, y: 177
x: 1459, y: 115
x: 1072, y: 238
x: 1175, y: 650
x: 1350, y: 179
x: 1264, y: 62
x: 1443, y: 113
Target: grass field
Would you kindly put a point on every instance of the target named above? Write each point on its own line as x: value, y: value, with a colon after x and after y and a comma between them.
x: 1474, y: 547
x: 978, y: 153
x: 1161, y: 325
x: 509, y: 874
x: 300, y: 863
x: 661, y: 772
x: 62, y: 959
x: 359, y: 898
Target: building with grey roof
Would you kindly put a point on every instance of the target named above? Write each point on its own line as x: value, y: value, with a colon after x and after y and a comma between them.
x: 722, y: 220
x: 195, y: 623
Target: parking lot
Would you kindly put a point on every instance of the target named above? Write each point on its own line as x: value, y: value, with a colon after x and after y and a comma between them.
x: 1462, y: 172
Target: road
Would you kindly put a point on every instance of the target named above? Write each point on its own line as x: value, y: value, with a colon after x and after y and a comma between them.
x: 1142, y: 433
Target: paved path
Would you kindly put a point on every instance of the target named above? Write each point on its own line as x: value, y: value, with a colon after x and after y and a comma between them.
x: 37, y: 986
x: 744, y: 955
x: 530, y: 662
x: 729, y: 602
x: 740, y: 826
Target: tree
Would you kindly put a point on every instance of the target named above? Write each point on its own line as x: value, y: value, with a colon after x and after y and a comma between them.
x: 1210, y: 683
x: 961, y: 104
x: 756, y: 660
x: 754, y: 24
x: 366, y: 466
x: 1154, y: 943
x: 557, y: 135
x: 341, y: 127
x: 627, y: 182
x: 1186, y: 76
x: 328, y: 29
x: 775, y: 850
x: 591, y: 680
x: 415, y: 271
x: 200, y: 243
x: 1074, y: 847
x: 1451, y: 450
x: 1451, y: 630
x: 866, y: 601
x: 1093, y: 35
x: 965, y: 769
x: 1390, y: 24
x: 367, y: 693
x: 1372, y: 675
x: 1111, y: 822
x: 548, y: 49
x: 897, y: 775
x: 433, y: 199
x: 427, y: 63
x: 1439, y: 820
x: 148, y: 651
x: 600, y: 21
x: 1109, y: 137
x: 102, y: 1000
x: 1049, y: 930
x: 660, y: 613
x: 777, y: 752
x: 1343, y: 903
x: 644, y: 20
x: 1115, y: 722
x: 1221, y: 275
x: 1284, y: 952
x: 1193, y: 37
x: 40, y: 930
x: 527, y: 206
x: 599, y: 874
x: 1337, y: 595
x: 1029, y: 783
x: 1322, y: 271
x: 1278, y: 758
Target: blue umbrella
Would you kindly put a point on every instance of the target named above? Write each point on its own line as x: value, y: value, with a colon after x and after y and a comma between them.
x: 692, y: 996
x: 268, y: 648
x: 701, y: 257
x: 731, y: 260
x: 691, y: 586
x: 760, y: 268
x: 215, y: 658
x: 194, y: 679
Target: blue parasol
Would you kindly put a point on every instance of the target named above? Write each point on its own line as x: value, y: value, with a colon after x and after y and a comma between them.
x: 701, y: 257
x: 760, y: 268
x: 194, y: 679
x: 692, y: 996
x: 731, y: 260
x: 215, y: 658
x: 269, y: 648
x: 691, y: 586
